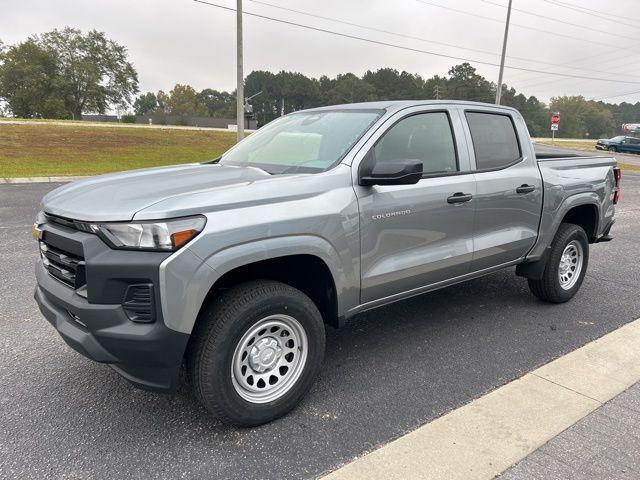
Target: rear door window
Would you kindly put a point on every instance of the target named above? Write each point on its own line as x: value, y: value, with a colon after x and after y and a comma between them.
x: 495, y: 142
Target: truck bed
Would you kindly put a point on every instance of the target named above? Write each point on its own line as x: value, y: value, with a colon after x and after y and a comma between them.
x: 574, y: 179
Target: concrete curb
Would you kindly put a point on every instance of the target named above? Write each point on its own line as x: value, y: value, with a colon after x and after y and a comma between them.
x: 487, y: 436
x: 41, y: 179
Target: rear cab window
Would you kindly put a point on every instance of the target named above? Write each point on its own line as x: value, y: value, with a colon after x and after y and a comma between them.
x: 495, y: 141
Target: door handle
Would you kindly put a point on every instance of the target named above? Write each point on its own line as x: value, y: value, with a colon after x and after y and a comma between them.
x: 459, y: 197
x: 525, y: 188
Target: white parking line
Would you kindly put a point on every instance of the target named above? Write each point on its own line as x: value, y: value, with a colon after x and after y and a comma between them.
x: 493, y: 432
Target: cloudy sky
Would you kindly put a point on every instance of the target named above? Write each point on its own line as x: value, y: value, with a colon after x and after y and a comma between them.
x: 181, y: 41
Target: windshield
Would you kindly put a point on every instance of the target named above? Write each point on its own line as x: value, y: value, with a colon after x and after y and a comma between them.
x: 617, y: 139
x: 308, y: 142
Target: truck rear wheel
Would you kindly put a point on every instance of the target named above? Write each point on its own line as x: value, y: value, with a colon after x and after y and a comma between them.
x: 566, y: 266
x: 255, y: 352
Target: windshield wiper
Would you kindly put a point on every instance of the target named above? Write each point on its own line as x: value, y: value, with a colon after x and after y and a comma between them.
x: 298, y: 165
x: 209, y: 162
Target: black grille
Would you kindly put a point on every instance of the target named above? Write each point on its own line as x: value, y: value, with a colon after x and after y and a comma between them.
x: 64, y: 266
x: 138, y: 303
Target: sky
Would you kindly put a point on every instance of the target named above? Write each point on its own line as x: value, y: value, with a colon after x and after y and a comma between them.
x: 181, y: 41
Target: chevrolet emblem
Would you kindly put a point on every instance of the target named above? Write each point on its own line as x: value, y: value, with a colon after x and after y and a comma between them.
x: 36, y: 231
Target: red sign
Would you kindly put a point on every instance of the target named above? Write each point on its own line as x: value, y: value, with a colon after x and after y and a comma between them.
x: 555, y: 118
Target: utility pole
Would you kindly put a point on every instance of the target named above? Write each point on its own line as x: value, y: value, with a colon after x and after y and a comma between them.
x: 240, y: 74
x: 504, y: 52
x: 436, y: 92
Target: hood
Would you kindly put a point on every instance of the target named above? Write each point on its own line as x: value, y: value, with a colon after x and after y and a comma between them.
x: 117, y: 197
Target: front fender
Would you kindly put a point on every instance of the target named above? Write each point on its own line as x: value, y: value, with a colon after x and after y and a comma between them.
x: 186, y: 279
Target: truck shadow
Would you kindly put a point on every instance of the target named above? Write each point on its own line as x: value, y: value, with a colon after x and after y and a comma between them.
x: 388, y: 339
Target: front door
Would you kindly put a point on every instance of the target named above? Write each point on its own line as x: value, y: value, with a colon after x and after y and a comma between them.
x: 417, y: 235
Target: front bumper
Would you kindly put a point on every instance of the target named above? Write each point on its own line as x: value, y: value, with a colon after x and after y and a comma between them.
x: 147, y: 354
x: 600, y: 147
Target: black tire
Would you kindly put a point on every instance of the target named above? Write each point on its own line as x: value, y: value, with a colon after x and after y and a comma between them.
x: 220, y: 329
x: 612, y: 149
x: 548, y: 287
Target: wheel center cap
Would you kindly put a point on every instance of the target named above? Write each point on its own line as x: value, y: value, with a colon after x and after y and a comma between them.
x: 265, y: 354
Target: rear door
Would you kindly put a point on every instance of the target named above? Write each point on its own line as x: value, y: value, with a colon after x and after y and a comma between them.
x: 509, y: 187
x: 633, y: 145
x: 411, y: 235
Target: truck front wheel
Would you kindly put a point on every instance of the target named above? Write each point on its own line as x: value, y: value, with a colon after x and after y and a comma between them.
x: 565, y: 267
x: 255, y: 352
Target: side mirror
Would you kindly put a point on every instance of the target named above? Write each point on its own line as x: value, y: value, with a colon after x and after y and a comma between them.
x: 396, y: 172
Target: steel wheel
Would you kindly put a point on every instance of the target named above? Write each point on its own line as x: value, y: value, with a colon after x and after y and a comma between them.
x: 570, y: 265
x: 269, y: 359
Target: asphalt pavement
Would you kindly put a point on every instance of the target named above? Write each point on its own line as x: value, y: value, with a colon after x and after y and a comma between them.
x: 385, y: 373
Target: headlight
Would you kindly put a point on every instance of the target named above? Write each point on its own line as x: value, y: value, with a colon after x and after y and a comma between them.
x: 168, y: 235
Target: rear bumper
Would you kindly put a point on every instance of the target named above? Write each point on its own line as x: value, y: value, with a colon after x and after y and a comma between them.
x: 147, y: 354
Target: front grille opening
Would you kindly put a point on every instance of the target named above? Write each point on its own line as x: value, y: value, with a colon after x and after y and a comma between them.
x: 63, y: 266
x: 138, y: 303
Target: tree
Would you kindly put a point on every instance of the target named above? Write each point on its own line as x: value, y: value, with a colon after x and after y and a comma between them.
x: 163, y: 99
x: 93, y: 71
x: 145, y: 104
x: 535, y: 113
x: 434, y: 88
x: 580, y: 116
x: 268, y: 104
x: 350, y: 89
x: 29, y: 83
x: 182, y: 101
x: 217, y: 104
x: 298, y: 91
x: 389, y: 84
x: 465, y: 84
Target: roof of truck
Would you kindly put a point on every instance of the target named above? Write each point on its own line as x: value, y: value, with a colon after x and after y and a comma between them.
x: 400, y: 104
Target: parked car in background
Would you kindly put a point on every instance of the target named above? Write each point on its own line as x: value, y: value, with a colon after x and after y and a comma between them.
x: 621, y: 143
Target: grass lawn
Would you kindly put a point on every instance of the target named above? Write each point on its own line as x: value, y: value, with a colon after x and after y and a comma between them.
x: 52, y: 150
x: 629, y: 167
x: 585, y: 145
x: 575, y: 143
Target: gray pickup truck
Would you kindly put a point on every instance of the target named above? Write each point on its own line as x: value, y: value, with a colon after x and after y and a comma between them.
x: 233, y: 267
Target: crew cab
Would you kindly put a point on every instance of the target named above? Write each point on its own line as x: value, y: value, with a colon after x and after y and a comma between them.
x: 234, y: 267
x: 621, y: 144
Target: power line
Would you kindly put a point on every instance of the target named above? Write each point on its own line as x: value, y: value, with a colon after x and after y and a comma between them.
x: 410, y: 49
x: 594, y: 13
x: 374, y: 29
x: 619, y: 95
x: 421, y: 39
x: 535, y: 83
x: 549, y: 32
x: 616, y: 47
x: 590, y: 57
x: 526, y: 12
